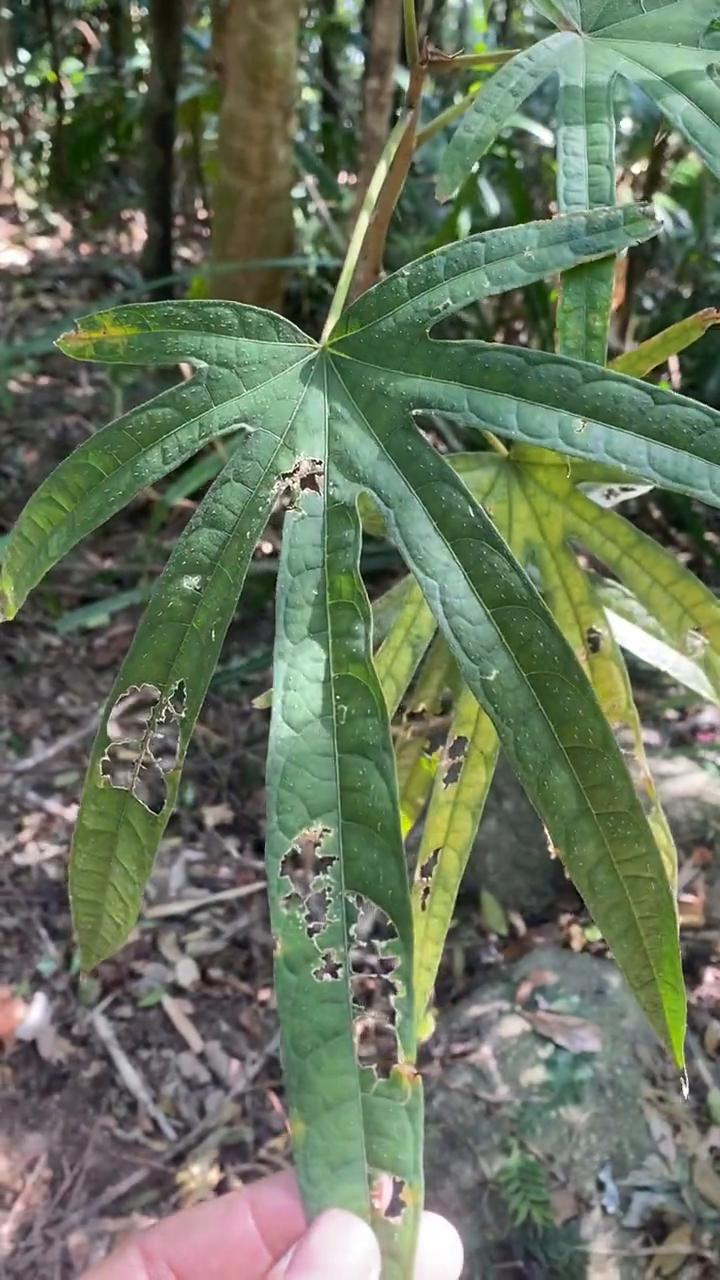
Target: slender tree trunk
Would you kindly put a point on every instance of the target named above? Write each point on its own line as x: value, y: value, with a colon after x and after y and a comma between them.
x: 166, y: 17
x: 7, y: 44
x: 434, y: 24
x: 120, y: 35
x: 58, y: 167
x: 9, y: 136
x: 256, y: 43
x: 378, y: 86
x: 330, y: 97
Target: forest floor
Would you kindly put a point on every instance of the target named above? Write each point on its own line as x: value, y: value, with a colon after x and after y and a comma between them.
x: 156, y: 1081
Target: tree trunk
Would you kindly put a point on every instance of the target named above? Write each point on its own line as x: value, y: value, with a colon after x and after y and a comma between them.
x: 434, y: 24
x: 330, y: 97
x: 58, y: 167
x: 121, y: 38
x: 166, y: 17
x: 256, y: 44
x: 378, y: 86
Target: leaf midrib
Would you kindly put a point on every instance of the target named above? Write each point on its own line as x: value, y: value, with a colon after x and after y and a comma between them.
x: 336, y: 768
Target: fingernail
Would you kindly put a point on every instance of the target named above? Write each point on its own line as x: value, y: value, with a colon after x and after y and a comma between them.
x: 338, y: 1246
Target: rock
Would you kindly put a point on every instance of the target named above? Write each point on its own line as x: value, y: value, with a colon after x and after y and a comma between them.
x: 500, y: 1087
x: 511, y: 858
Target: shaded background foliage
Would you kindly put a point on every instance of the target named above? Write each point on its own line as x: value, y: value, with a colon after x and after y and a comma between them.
x: 122, y: 115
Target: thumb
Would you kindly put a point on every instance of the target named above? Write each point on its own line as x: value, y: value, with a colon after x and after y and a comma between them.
x: 338, y: 1246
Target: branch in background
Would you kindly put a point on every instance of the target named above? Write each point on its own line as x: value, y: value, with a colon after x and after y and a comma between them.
x: 378, y: 89
x: 633, y: 263
x: 412, y: 43
x: 58, y: 165
x: 371, y: 257
x: 166, y: 19
x: 330, y: 95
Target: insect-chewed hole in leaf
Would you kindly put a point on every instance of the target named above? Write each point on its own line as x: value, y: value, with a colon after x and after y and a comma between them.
x: 122, y: 768
x: 305, y: 477
x: 329, y: 968
x: 376, y: 1045
x: 425, y: 874
x: 304, y: 862
x: 371, y: 923
x: 696, y: 642
x: 594, y: 638
x: 453, y: 759
x: 387, y: 1196
x: 307, y: 870
x: 317, y: 906
x: 144, y: 731
x: 373, y: 985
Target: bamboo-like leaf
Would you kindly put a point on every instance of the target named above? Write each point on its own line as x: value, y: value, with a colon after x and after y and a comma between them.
x: 420, y: 732
x: 687, y: 611
x: 658, y: 349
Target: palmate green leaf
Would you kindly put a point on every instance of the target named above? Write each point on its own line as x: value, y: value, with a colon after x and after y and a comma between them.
x: 324, y: 425
x: 114, y: 465
x: 533, y: 501
x: 659, y: 50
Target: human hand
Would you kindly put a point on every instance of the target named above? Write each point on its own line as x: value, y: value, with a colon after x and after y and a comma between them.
x: 262, y: 1234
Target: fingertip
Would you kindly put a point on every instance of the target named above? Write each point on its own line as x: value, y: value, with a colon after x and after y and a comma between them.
x: 338, y: 1246
x: 440, y: 1254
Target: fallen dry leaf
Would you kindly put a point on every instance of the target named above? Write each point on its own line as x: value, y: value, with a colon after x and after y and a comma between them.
x: 565, y: 1205
x: 691, y: 907
x: 577, y: 1035
x: 536, y: 978
x: 707, y: 1182
x: 12, y: 1015
x: 711, y: 1038
x: 217, y: 815
x: 672, y: 1254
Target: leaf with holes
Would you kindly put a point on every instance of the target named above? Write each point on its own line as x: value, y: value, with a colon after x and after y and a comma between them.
x: 662, y: 615
x: 320, y: 427
x: 665, y: 50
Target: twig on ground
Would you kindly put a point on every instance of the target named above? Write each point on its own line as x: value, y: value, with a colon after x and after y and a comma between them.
x: 129, y: 1075
x: 186, y: 905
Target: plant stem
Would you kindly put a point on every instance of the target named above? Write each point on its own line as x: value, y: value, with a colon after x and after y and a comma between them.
x: 412, y: 44
x: 364, y: 219
x: 471, y: 61
x: 371, y: 258
x: 446, y: 117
